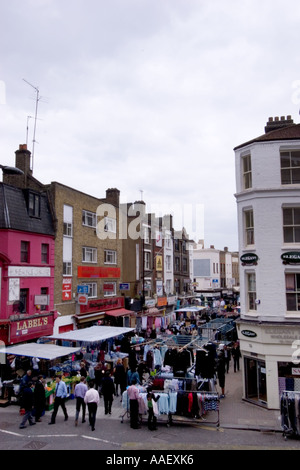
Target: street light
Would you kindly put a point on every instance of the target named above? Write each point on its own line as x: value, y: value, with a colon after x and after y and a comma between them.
x: 10, y: 170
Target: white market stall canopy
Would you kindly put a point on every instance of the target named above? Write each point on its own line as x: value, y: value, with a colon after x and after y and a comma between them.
x: 92, y: 334
x: 41, y: 351
x: 190, y: 309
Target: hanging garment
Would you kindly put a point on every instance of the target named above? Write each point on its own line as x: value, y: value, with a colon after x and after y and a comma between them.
x: 149, y: 359
x: 144, y: 323
x: 157, y: 358
x: 172, y: 402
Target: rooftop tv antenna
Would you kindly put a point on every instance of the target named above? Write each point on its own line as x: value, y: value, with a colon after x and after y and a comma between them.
x: 35, y: 116
x: 142, y: 194
x: 28, y: 117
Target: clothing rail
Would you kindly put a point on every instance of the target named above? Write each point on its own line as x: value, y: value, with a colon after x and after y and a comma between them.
x: 290, y: 413
x: 195, y: 416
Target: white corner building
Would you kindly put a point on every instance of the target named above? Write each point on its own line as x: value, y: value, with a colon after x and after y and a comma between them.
x: 268, y: 208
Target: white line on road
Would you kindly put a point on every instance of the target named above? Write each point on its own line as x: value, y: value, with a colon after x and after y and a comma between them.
x: 12, y: 433
x: 101, y: 440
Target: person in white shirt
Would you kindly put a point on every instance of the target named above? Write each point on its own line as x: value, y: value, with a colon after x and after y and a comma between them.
x: 92, y: 400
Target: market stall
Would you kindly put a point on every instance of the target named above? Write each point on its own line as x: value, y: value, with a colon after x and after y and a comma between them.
x: 100, y: 344
x: 47, y: 355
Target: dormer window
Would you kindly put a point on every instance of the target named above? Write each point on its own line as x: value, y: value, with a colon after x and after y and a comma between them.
x: 34, y: 204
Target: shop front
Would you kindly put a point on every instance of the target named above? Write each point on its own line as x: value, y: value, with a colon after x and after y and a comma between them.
x: 255, y: 380
x: 23, y: 328
x: 270, y: 360
x: 95, y: 310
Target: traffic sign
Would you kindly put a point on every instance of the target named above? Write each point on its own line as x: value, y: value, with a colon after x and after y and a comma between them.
x: 82, y: 289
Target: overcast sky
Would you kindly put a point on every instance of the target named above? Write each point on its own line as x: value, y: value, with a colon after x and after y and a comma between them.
x: 148, y: 95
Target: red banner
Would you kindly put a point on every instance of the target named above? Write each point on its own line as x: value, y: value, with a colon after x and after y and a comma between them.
x: 98, y: 272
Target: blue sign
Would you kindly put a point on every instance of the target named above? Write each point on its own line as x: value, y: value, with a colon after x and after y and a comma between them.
x: 125, y: 286
x: 82, y: 289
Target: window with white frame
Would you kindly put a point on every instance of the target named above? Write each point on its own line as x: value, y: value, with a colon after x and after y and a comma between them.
x: 291, y: 224
x: 147, y: 260
x: 89, y: 254
x: 110, y: 225
x: 110, y: 257
x: 168, y: 263
x: 92, y: 292
x: 290, y: 167
x: 67, y: 268
x: 67, y: 229
x: 89, y: 219
x: 167, y: 240
x: 168, y: 286
x: 109, y: 289
x: 247, y: 172
x: 292, y: 284
x: 147, y: 235
x: 249, y: 227
x: 251, y: 291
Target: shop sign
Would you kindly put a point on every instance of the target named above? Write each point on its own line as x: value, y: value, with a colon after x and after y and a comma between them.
x: 28, y: 271
x: 31, y: 328
x: 67, y: 289
x: 90, y: 272
x: 249, y: 259
x: 162, y: 301
x: 249, y: 333
x: 291, y: 257
x: 95, y: 306
x: 124, y: 286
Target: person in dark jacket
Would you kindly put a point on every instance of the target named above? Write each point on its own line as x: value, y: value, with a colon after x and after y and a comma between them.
x: 108, y: 391
x: 120, y: 377
x: 27, y: 405
x: 221, y: 367
x: 39, y: 399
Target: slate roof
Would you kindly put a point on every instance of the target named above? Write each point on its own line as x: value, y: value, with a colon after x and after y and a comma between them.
x: 14, y: 213
x: 291, y: 132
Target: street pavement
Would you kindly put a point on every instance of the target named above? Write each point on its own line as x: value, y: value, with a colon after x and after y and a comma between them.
x: 242, y: 426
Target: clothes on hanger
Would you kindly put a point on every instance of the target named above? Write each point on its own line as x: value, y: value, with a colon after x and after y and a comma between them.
x: 290, y: 412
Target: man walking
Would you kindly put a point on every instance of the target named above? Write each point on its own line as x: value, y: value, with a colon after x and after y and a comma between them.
x: 61, y: 393
x: 39, y: 399
x: 27, y: 403
x: 92, y: 400
x: 79, y: 392
x: 133, y: 395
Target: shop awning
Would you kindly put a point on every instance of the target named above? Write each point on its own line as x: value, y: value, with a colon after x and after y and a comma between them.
x: 89, y: 317
x: 118, y: 312
x: 41, y: 351
x: 190, y: 309
x: 92, y: 334
x: 153, y: 311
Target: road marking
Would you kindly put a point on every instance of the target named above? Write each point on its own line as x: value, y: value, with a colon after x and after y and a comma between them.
x: 101, y: 440
x: 12, y: 433
x: 54, y: 435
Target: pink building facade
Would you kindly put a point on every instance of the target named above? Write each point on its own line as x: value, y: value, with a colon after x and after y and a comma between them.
x: 26, y: 265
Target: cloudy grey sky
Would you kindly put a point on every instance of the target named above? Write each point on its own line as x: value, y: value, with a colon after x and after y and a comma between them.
x: 148, y: 95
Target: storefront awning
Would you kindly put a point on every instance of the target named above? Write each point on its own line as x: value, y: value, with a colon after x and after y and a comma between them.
x: 190, y: 309
x: 89, y: 317
x: 93, y: 334
x: 118, y: 312
x: 41, y: 351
